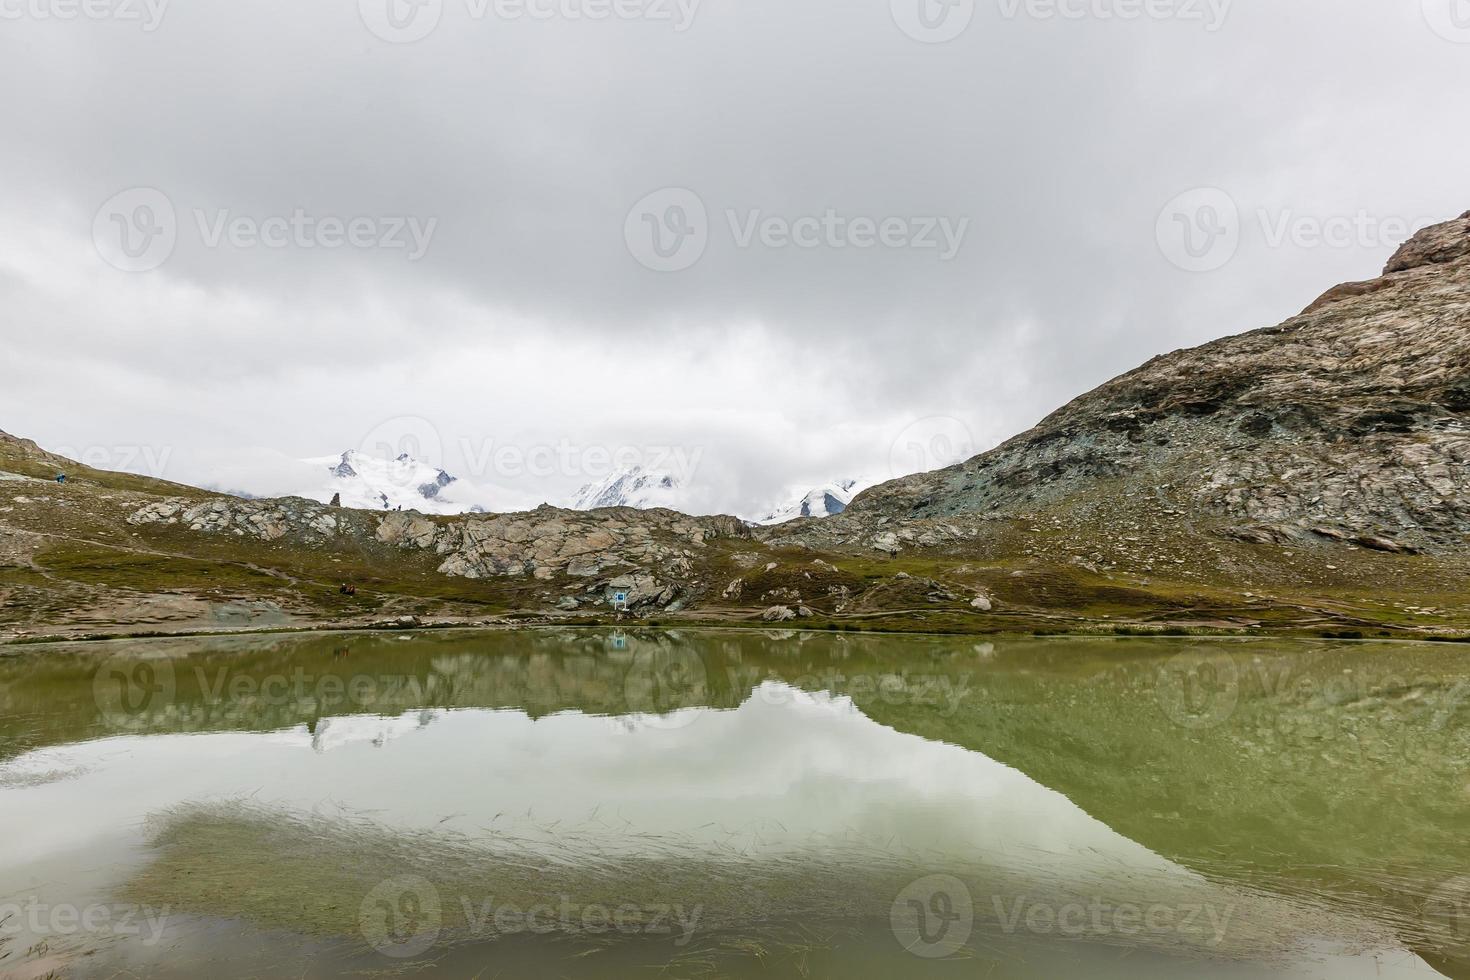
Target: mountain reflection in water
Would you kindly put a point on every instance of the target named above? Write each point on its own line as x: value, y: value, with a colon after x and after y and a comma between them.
x: 718, y: 803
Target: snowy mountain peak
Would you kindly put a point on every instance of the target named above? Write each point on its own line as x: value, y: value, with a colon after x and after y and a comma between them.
x: 367, y: 482
x: 824, y: 501
x: 634, y: 487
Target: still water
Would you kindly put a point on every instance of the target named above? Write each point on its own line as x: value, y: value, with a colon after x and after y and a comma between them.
x: 586, y: 803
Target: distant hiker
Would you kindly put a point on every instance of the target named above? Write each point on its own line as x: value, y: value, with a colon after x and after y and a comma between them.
x: 348, y: 589
x: 336, y: 500
x: 61, y: 478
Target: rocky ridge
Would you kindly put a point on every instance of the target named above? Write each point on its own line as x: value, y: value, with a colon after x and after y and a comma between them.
x: 1347, y: 423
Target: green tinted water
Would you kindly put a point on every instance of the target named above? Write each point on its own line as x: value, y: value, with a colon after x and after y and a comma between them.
x: 582, y: 803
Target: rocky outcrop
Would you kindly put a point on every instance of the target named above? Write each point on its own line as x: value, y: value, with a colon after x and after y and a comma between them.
x: 549, y: 543
x: 267, y: 520
x: 653, y: 558
x: 1354, y: 415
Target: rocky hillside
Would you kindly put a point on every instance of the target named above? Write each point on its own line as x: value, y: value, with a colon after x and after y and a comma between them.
x: 1350, y: 422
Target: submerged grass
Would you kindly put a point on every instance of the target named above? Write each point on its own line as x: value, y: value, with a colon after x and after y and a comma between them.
x: 324, y: 877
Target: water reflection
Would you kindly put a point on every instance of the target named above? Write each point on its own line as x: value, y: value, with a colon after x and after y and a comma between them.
x: 830, y: 800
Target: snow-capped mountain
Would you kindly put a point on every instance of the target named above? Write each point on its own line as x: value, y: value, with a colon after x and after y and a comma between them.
x: 370, y: 482
x: 634, y: 487
x: 823, y: 501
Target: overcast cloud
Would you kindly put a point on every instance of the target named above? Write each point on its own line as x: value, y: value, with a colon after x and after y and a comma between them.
x: 793, y: 239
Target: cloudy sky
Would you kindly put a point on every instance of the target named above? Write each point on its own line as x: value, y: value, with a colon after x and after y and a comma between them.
x: 786, y: 240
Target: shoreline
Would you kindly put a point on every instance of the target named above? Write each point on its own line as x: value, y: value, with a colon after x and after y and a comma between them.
x: 1111, y: 631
